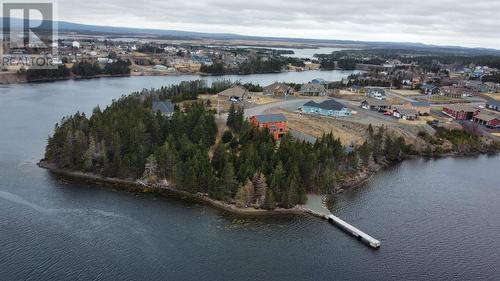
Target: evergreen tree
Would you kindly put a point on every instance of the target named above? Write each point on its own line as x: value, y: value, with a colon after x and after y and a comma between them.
x: 278, y: 182
x: 269, y: 203
x: 228, y: 180
x: 231, y: 116
x: 365, y: 152
x: 260, y: 184
x: 151, y: 169
x: 245, y: 195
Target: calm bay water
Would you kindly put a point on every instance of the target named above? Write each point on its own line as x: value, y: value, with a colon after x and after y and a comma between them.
x: 437, y: 219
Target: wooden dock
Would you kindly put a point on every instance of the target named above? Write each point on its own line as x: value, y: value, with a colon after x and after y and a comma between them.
x: 372, y: 242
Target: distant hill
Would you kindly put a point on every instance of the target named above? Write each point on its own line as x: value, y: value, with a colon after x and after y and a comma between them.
x: 64, y: 26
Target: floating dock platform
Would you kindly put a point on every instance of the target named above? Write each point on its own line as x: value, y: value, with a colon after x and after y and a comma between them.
x: 372, y: 242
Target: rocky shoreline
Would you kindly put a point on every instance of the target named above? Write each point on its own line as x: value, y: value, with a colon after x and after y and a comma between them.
x: 166, y: 190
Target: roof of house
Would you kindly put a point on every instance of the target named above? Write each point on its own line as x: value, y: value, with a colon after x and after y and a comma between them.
x: 309, y: 87
x: 277, y: 86
x: 428, y: 87
x: 327, y: 105
x: 236, y: 91
x: 487, y: 116
x: 420, y: 104
x: 163, y: 106
x: 493, y: 103
x: 318, y: 81
x: 375, y: 102
x: 406, y: 111
x: 267, y: 118
x: 375, y: 90
x: 460, y: 107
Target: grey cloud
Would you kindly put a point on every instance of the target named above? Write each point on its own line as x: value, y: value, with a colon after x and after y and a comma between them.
x: 457, y: 22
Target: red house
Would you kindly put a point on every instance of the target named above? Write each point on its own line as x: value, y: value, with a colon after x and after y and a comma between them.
x: 276, y: 123
x: 488, y: 119
x: 460, y: 111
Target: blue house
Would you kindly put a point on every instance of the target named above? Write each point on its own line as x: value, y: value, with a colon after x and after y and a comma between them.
x: 493, y: 105
x: 319, y: 81
x: 326, y: 108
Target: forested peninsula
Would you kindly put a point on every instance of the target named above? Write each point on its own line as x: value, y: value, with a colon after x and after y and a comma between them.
x: 237, y: 163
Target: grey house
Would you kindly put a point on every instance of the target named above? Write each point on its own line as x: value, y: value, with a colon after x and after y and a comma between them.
x: 310, y: 89
x: 166, y: 108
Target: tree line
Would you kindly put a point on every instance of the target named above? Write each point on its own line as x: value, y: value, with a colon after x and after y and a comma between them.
x: 81, y: 69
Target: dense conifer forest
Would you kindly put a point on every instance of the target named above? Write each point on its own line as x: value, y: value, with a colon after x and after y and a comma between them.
x: 81, y: 69
x: 245, y: 165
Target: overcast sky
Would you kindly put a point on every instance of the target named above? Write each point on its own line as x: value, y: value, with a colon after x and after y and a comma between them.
x: 472, y: 23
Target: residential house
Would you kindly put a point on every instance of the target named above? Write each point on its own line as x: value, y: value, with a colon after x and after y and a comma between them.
x: 166, y: 108
x: 310, y: 89
x: 456, y: 92
x: 405, y: 113
x: 489, y: 119
x: 375, y: 104
x: 493, y: 105
x: 236, y: 93
x: 160, y: 67
x: 104, y: 60
x: 422, y: 107
x: 319, y: 81
x: 477, y: 86
x: 376, y: 93
x: 278, y: 89
x: 460, y: 111
x: 276, y: 123
x: 356, y: 88
x: 429, y: 89
x: 492, y: 87
x: 327, y: 108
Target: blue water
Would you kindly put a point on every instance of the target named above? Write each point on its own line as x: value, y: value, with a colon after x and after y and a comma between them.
x: 436, y: 219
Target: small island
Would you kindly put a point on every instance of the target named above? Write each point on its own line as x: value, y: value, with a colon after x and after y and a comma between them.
x: 146, y: 142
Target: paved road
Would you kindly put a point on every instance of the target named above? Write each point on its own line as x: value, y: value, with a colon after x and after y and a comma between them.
x: 290, y: 105
x: 393, y: 94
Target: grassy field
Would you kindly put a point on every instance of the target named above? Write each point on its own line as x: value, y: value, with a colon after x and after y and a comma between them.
x: 440, y: 99
x: 348, y: 132
x: 259, y: 98
x: 407, y: 92
x: 493, y: 96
